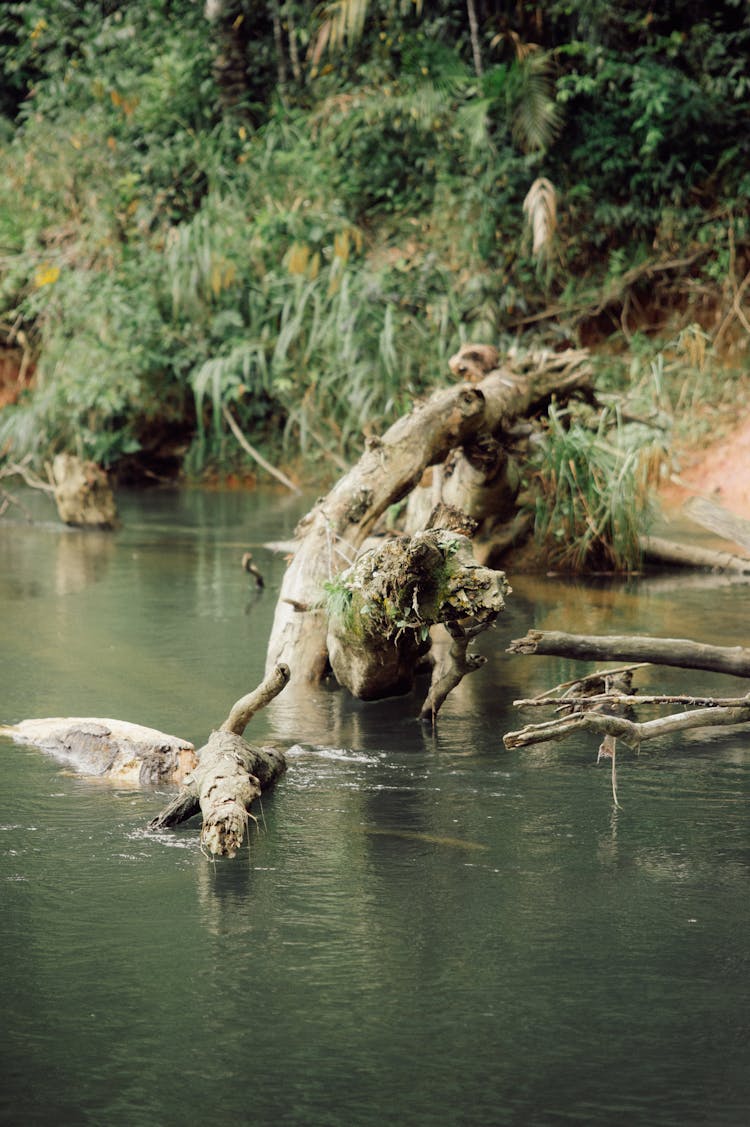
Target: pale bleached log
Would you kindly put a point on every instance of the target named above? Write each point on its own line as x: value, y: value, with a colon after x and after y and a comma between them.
x: 680, y: 652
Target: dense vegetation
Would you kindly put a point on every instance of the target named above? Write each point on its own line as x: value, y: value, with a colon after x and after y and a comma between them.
x: 296, y: 211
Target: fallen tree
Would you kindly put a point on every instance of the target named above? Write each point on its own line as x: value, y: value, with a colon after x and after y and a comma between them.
x: 221, y: 781
x: 471, y: 422
x: 113, y: 749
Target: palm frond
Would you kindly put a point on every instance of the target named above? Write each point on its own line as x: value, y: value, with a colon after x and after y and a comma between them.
x: 536, y: 117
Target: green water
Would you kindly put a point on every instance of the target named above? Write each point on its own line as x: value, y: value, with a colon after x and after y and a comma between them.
x: 423, y: 931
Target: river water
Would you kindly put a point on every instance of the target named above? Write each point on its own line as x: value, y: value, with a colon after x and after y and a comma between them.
x: 425, y: 930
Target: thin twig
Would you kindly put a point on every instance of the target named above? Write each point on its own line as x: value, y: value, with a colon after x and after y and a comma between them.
x: 255, y: 454
x: 630, y: 701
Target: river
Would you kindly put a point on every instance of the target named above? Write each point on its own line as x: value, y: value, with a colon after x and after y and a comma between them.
x: 424, y: 930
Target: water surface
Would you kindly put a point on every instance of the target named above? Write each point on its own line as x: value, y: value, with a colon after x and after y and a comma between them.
x: 425, y: 929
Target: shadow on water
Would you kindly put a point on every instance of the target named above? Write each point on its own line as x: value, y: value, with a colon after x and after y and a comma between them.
x: 424, y: 927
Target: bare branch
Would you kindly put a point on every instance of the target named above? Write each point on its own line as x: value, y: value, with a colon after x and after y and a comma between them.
x: 628, y: 731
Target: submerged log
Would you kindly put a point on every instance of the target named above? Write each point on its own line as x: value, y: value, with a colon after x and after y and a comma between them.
x: 83, y: 494
x: 114, y: 749
x: 229, y: 776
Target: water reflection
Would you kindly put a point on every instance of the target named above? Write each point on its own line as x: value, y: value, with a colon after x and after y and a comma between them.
x: 424, y: 928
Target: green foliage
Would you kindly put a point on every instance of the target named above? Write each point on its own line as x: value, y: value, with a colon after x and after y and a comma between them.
x: 310, y: 254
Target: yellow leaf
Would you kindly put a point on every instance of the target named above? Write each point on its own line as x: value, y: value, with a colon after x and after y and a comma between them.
x: 216, y: 279
x: 341, y: 245
x: 299, y: 256
x: 45, y: 275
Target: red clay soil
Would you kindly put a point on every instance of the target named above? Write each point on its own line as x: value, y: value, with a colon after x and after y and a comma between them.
x: 720, y: 472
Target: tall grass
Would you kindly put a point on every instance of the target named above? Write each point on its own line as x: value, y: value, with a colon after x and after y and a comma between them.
x: 592, y: 493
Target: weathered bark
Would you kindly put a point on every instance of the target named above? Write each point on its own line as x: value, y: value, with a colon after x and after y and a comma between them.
x: 114, y: 749
x: 331, y: 535
x: 83, y: 494
x: 386, y: 602
x: 689, y: 555
x: 454, y: 665
x: 630, y: 732
x: 679, y: 652
x: 229, y: 776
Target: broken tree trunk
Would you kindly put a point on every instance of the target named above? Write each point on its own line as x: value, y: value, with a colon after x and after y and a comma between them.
x: 678, y: 652
x: 332, y: 533
x: 230, y: 775
x: 381, y: 609
x: 83, y: 494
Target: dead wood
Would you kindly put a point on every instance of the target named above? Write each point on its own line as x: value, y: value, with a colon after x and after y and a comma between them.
x: 229, y: 776
x: 83, y: 495
x: 630, y: 732
x: 688, y: 555
x: 679, y: 652
x: 332, y: 533
x: 451, y: 669
x: 113, y: 749
x: 381, y: 609
x: 256, y: 454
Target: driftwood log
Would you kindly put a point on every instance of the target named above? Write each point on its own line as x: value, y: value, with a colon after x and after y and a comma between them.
x: 674, y: 554
x: 230, y: 775
x: 112, y: 749
x: 333, y: 532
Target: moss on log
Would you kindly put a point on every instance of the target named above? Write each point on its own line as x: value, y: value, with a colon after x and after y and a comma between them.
x: 381, y: 609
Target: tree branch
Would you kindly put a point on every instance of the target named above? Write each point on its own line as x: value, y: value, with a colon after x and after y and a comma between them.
x: 678, y: 652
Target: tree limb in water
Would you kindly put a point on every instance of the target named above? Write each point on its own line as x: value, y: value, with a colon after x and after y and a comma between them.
x: 628, y: 731
x: 620, y: 699
x: 450, y: 670
x: 230, y: 775
x: 256, y: 454
x: 679, y: 652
